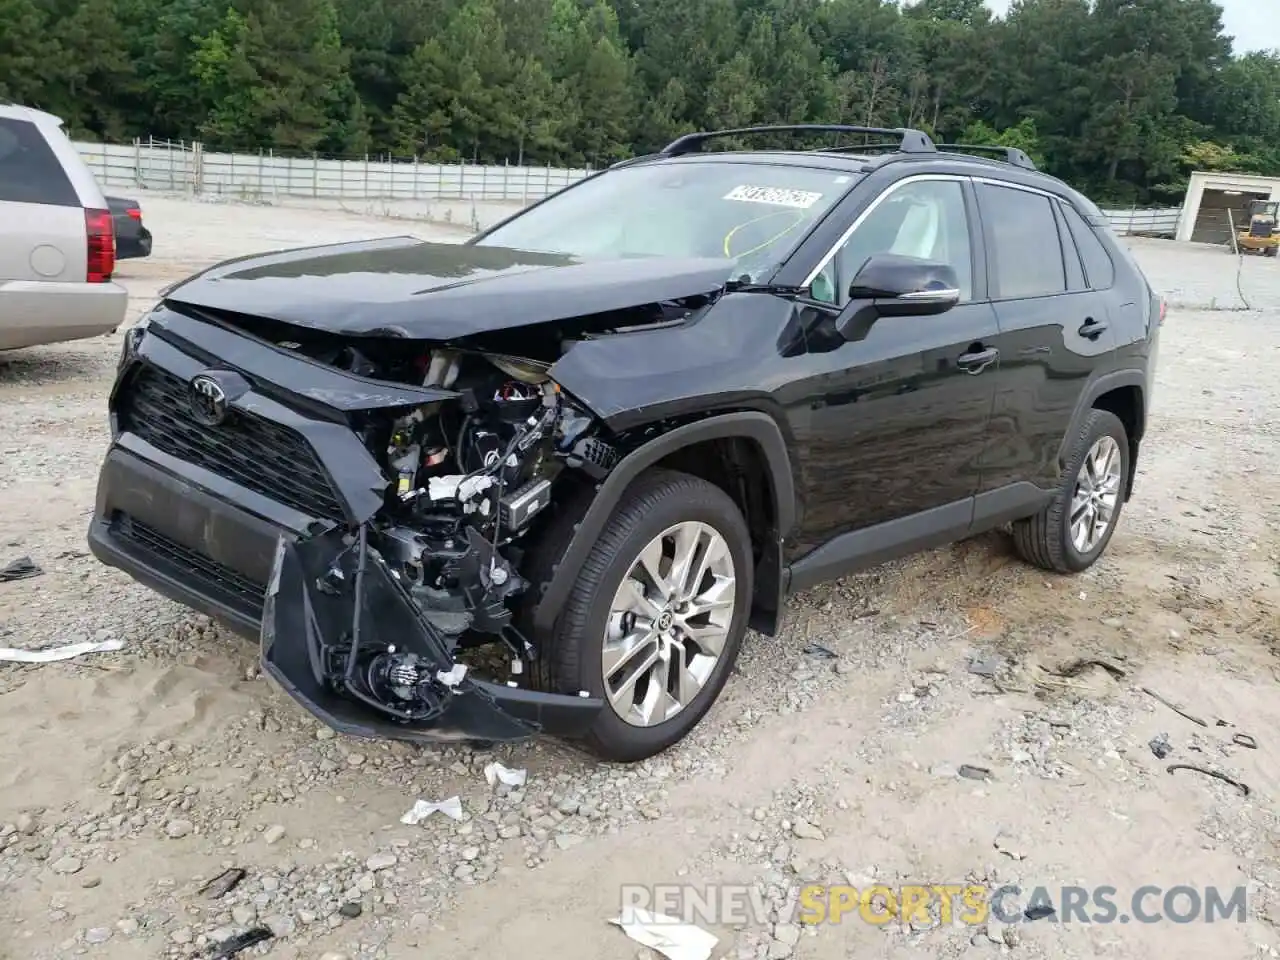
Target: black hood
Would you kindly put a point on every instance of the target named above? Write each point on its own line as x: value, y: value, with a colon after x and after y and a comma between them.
x: 404, y: 287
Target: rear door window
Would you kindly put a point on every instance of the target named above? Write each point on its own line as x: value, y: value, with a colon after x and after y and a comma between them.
x: 29, y: 170
x: 1098, y: 268
x: 1022, y: 242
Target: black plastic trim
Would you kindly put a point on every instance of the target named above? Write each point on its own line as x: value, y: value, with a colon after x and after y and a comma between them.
x: 751, y: 425
x: 871, y: 546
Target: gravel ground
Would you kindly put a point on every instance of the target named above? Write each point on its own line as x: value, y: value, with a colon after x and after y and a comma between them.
x: 128, y: 780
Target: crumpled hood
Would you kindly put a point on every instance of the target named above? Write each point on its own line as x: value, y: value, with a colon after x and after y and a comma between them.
x: 405, y: 287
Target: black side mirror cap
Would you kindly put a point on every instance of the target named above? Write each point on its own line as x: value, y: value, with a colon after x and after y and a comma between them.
x: 890, y: 285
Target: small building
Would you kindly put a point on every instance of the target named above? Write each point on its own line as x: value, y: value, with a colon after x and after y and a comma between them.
x: 1217, y: 201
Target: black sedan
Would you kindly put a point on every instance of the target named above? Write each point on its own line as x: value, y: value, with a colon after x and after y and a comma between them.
x: 132, y: 238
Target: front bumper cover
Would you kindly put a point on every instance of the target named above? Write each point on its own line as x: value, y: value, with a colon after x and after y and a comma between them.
x: 304, y: 624
x: 297, y: 619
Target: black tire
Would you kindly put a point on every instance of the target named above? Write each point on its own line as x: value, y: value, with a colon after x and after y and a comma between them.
x: 1045, y: 539
x: 571, y: 661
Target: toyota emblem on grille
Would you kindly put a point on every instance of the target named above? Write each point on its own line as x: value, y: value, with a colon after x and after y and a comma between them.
x: 208, y: 400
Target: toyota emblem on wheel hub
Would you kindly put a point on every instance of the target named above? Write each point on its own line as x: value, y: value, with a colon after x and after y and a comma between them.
x: 208, y: 400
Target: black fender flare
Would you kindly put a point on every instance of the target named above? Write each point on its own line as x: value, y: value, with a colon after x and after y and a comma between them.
x: 1096, y: 388
x: 747, y: 424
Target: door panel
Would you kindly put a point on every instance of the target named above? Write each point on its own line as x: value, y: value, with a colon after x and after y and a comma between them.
x: 1051, y: 333
x: 892, y: 425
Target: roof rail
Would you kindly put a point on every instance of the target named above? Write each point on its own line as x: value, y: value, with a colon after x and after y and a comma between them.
x: 909, y: 141
x: 1011, y: 155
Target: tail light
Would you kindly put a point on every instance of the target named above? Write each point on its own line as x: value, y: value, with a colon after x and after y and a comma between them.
x: 133, y: 213
x: 101, y: 234
x: 1164, y: 308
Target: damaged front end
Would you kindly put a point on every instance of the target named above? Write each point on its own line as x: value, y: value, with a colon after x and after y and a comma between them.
x: 364, y: 627
x: 357, y: 453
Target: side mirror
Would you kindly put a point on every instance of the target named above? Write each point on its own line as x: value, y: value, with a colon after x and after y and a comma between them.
x: 906, y: 286
x: 890, y: 285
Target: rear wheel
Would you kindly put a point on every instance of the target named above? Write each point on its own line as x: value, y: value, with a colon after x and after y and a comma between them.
x: 656, y: 618
x: 1072, y: 532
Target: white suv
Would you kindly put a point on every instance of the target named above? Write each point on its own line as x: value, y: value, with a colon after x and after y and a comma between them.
x: 57, y: 242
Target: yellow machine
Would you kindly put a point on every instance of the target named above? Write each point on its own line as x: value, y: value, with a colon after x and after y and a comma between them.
x: 1262, y: 233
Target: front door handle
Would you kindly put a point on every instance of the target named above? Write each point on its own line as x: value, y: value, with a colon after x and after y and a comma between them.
x: 1092, y: 329
x: 978, y: 360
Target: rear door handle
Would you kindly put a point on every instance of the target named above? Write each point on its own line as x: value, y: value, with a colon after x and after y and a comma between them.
x: 978, y: 360
x: 1092, y: 329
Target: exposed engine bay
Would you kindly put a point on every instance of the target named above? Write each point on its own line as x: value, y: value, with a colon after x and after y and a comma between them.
x: 467, y: 478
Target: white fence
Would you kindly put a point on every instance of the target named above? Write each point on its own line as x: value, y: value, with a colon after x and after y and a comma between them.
x: 186, y: 167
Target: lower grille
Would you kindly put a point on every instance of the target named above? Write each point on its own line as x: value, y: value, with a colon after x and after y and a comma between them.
x: 257, y: 454
x: 206, y: 575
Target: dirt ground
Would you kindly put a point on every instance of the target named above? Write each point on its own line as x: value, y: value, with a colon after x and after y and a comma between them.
x: 128, y: 779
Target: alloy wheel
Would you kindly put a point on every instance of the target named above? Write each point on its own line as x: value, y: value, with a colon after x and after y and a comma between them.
x: 1097, y: 494
x: 668, y: 623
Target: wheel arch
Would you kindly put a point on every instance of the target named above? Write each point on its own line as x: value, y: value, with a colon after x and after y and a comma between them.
x: 723, y: 448
x: 1122, y: 393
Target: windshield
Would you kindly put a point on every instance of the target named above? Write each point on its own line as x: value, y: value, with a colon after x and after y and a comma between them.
x: 751, y: 213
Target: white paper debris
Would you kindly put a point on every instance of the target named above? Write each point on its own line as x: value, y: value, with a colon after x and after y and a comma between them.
x: 672, y: 938
x: 774, y: 196
x: 68, y: 652
x: 451, y: 808
x: 453, y: 676
x: 496, y: 772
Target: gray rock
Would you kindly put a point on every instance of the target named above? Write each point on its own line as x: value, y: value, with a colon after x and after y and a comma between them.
x: 381, y: 861
x: 97, y: 935
x: 66, y: 865
x: 127, y: 927
x: 787, y: 933
x: 280, y: 925
x: 244, y: 914
x: 177, y: 829
x: 26, y: 824
x: 182, y: 935
x: 807, y: 831
x: 566, y: 841
x: 273, y: 834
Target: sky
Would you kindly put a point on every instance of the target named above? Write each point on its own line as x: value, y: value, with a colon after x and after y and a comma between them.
x: 1255, y: 24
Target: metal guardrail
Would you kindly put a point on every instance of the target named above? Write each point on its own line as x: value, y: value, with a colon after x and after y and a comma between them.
x: 184, y: 166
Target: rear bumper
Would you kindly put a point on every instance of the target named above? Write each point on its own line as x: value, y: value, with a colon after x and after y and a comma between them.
x: 129, y: 246
x: 35, y: 312
x: 253, y: 564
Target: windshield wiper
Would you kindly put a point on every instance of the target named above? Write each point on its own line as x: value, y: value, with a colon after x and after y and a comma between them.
x: 746, y: 284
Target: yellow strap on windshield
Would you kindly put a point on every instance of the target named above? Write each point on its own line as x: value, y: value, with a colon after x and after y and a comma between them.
x: 728, y: 237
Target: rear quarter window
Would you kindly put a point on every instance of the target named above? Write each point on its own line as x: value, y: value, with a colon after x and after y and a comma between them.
x: 1099, y: 269
x: 30, y: 172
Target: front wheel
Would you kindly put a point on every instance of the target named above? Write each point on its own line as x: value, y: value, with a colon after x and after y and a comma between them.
x: 1070, y: 534
x: 655, y: 621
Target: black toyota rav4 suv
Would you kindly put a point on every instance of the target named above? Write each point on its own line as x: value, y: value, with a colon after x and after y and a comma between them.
x: 604, y: 437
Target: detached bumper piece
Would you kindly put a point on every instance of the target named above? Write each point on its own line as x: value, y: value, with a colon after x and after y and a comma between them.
x: 344, y: 638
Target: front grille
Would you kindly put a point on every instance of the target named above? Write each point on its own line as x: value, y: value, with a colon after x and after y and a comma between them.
x: 1260, y: 230
x: 206, y: 575
x: 263, y: 456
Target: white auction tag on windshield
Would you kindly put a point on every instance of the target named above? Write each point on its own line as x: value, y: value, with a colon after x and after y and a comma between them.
x: 775, y: 196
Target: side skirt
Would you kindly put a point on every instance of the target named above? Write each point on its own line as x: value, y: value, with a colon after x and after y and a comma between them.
x: 936, y: 527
